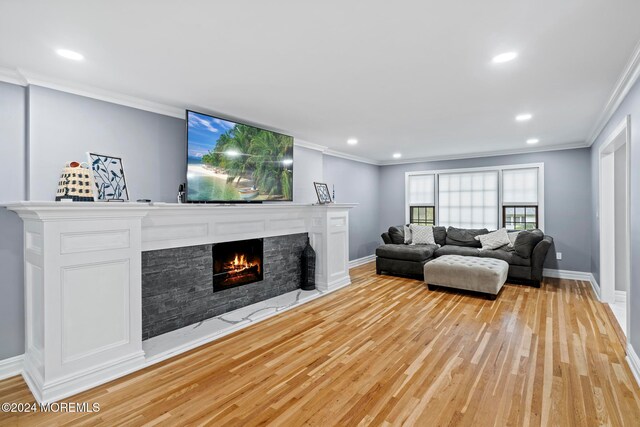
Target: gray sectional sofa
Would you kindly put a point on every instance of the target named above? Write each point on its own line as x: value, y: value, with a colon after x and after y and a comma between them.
x: 525, y: 259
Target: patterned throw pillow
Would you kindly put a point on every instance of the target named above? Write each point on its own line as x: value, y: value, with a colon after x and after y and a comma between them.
x: 407, y: 235
x: 422, y: 235
x: 495, y: 239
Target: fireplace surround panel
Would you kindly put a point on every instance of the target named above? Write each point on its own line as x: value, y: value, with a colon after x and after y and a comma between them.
x: 94, y: 339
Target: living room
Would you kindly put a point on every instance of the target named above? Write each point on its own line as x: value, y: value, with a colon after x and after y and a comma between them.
x: 447, y: 238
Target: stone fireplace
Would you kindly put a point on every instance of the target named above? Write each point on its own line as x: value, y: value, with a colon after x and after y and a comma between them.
x: 183, y: 286
x: 237, y: 263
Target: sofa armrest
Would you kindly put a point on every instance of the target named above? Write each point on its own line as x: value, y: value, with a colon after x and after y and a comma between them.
x: 538, y: 256
x: 385, y: 238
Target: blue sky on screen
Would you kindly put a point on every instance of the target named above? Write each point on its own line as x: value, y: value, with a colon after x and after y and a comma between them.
x: 204, y: 132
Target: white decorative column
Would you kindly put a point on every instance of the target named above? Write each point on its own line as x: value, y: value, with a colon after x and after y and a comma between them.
x: 82, y: 296
x: 329, y: 236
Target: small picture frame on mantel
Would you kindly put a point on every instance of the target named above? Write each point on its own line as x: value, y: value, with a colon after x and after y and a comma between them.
x: 322, y: 190
x: 108, y: 173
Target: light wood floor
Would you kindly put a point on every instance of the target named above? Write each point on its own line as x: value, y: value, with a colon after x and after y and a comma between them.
x: 388, y: 351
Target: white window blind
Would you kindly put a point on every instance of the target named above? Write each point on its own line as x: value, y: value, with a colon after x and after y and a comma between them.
x: 421, y: 190
x: 520, y: 186
x: 468, y: 200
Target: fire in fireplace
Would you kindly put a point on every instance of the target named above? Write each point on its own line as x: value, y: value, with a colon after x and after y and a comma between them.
x: 236, y: 263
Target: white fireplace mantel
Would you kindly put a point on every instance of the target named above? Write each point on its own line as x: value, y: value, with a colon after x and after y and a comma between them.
x: 82, y: 269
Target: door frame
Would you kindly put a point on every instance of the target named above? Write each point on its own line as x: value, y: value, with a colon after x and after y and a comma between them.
x: 606, y: 213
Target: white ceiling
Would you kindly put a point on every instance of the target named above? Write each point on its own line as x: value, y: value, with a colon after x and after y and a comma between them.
x: 406, y: 76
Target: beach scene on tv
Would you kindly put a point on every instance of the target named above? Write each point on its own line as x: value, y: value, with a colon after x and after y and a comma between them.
x: 229, y: 161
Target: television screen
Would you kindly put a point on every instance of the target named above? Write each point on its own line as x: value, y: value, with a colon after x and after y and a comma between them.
x: 234, y: 162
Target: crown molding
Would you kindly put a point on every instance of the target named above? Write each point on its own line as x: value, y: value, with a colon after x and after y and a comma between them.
x: 626, y: 81
x: 13, y: 76
x: 496, y: 153
x: 310, y: 145
x: 102, y: 95
x: 340, y: 154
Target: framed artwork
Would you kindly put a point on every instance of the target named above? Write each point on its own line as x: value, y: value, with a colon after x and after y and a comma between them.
x: 108, y: 174
x: 323, y: 193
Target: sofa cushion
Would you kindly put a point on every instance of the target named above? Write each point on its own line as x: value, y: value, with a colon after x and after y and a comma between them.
x: 464, y: 236
x: 526, y: 241
x: 440, y: 235
x: 509, y: 256
x: 396, y: 234
x: 406, y: 252
x: 456, y: 250
x: 385, y: 238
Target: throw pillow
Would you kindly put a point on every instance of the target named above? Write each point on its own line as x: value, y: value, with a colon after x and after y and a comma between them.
x: 494, y: 240
x: 422, y: 235
x: 526, y: 241
x: 464, y: 237
x: 512, y: 238
x: 408, y: 235
x: 396, y: 234
x: 440, y: 234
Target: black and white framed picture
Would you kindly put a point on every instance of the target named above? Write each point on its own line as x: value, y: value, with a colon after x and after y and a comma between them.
x: 322, y: 190
x: 108, y: 174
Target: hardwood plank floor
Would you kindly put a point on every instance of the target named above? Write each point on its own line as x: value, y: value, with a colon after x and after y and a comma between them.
x: 387, y: 351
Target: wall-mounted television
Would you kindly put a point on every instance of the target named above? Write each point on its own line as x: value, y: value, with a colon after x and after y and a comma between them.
x: 229, y: 162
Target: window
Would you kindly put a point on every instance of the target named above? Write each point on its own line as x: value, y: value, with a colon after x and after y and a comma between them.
x: 421, y: 195
x: 520, y: 217
x: 468, y: 200
x: 488, y: 197
x: 422, y: 215
x: 520, y: 199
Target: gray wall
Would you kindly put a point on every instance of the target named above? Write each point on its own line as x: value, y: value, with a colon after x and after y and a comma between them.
x: 306, y: 170
x: 63, y: 127
x: 567, y: 198
x: 12, y: 177
x: 357, y: 182
x: 630, y: 106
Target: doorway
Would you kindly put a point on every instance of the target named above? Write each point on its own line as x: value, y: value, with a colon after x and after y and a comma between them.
x: 614, y: 165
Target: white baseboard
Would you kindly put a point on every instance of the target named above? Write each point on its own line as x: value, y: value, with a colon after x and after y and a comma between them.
x: 595, y: 286
x: 621, y: 297
x: 361, y: 261
x: 574, y: 275
x: 567, y: 274
x: 634, y: 362
x: 11, y: 367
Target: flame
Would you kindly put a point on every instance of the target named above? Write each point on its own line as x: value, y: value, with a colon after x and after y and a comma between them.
x: 240, y: 262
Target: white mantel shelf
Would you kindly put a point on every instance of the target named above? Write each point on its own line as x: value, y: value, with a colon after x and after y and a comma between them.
x: 82, y: 262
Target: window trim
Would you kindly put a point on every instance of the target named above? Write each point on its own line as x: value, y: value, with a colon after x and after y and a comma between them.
x: 499, y: 169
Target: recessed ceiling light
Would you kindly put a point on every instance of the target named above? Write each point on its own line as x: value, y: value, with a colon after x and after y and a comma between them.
x: 533, y: 141
x: 504, y: 57
x: 397, y: 155
x: 523, y: 117
x: 69, y: 54
x: 352, y: 141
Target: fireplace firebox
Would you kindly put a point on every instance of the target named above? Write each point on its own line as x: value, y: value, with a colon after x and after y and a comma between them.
x: 237, y: 263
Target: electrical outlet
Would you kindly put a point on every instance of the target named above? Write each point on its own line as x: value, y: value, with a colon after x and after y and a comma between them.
x: 558, y: 255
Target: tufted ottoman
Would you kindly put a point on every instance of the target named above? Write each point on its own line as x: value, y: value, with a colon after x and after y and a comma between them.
x: 485, y: 275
